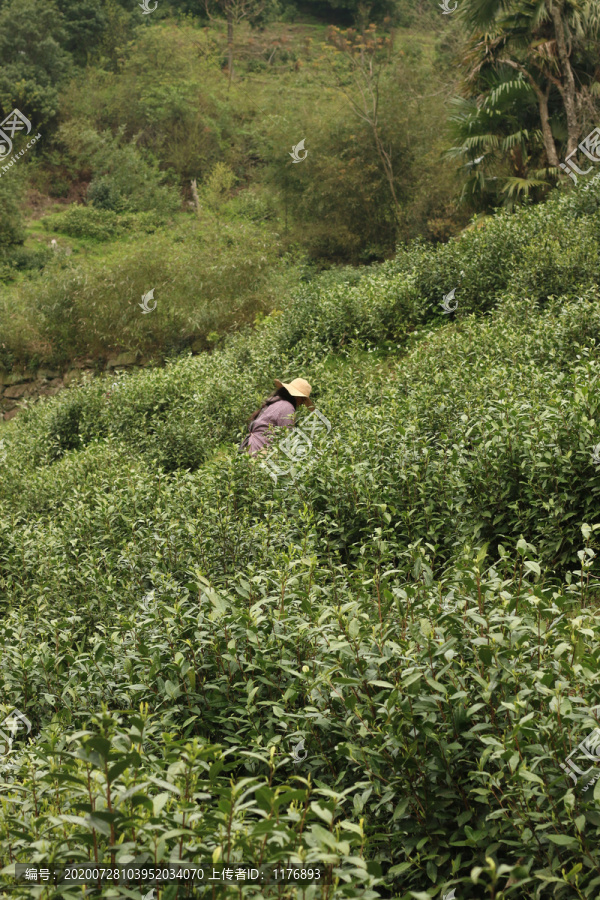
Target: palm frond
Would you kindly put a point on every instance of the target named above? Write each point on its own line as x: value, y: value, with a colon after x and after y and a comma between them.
x: 480, y: 13
x: 481, y: 142
x: 547, y: 172
x: 508, y: 90
x: 517, y: 138
x: 521, y: 187
x: 476, y: 185
x: 584, y: 18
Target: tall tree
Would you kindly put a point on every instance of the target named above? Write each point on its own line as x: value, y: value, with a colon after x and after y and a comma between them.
x: 543, y: 52
x: 34, y: 61
x: 234, y: 12
x: 366, y: 55
x: 84, y: 22
x: 499, y: 142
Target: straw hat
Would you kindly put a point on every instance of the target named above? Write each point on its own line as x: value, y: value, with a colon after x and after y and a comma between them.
x: 297, y: 388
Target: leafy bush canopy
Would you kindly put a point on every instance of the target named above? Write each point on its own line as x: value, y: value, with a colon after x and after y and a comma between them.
x: 418, y: 607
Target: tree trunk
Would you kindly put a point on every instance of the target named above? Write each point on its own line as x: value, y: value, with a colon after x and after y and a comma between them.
x: 568, y: 89
x: 519, y: 167
x: 542, y: 98
x: 549, y: 145
x: 388, y: 168
x: 195, y: 196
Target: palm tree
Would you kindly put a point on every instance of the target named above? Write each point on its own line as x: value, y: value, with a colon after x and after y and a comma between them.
x: 531, y: 85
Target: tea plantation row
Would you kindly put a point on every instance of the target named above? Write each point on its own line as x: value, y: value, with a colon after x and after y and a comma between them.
x: 418, y: 606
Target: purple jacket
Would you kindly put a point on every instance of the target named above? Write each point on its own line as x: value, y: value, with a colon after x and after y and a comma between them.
x: 280, y: 413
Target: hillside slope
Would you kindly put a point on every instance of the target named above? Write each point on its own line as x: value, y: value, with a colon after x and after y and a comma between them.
x: 418, y: 605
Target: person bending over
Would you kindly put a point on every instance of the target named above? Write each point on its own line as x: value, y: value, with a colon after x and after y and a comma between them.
x: 277, y: 411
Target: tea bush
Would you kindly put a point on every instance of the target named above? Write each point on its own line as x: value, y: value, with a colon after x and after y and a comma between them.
x: 541, y: 252
x: 418, y: 606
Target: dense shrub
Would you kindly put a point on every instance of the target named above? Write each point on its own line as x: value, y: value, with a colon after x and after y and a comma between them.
x: 204, y: 284
x: 552, y: 249
x: 168, y: 97
x: 11, y: 224
x: 81, y: 221
x: 419, y: 606
x: 433, y: 712
x: 124, y: 179
x: 539, y: 253
x: 98, y: 223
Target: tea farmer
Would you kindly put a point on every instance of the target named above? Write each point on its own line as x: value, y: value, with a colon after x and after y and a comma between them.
x: 277, y: 411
